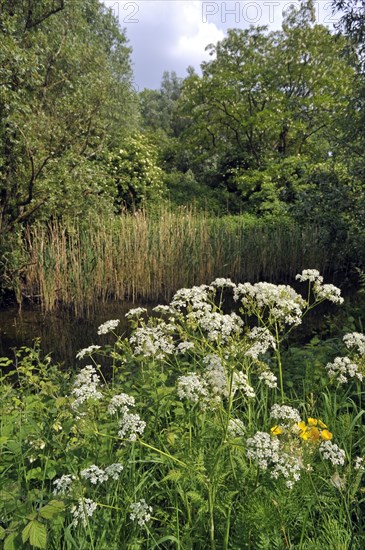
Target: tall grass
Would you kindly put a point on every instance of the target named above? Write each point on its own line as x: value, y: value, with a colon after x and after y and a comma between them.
x: 148, y: 257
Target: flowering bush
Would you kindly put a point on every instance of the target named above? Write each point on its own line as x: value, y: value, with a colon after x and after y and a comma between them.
x: 196, y: 426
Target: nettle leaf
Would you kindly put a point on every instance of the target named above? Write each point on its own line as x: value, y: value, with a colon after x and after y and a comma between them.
x: 36, y: 533
x: 9, y: 542
x: 51, y: 509
x: 2, y: 533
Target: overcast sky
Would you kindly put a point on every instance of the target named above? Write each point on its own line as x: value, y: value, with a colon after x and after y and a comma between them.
x: 170, y: 35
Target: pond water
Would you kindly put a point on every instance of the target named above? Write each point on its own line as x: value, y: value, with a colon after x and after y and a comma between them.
x: 61, y: 333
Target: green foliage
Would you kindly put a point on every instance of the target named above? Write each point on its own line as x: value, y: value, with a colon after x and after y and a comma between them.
x: 266, y: 106
x: 65, y: 96
x: 135, y: 177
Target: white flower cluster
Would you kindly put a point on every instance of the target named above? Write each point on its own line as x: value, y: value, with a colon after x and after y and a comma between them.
x: 321, y: 291
x: 215, y: 377
x: 355, y: 340
x: 196, y: 297
x: 120, y: 402
x: 86, y: 507
x: 279, y: 300
x: 140, y: 512
x: 359, y: 463
x: 221, y: 282
x: 327, y: 292
x: 153, y: 341
x: 288, y: 466
x: 266, y: 452
x: 96, y: 475
x: 193, y: 387
x: 135, y: 313
x: 285, y: 415
x: 236, y: 428
x: 130, y: 424
x: 342, y: 369
x: 109, y: 326
x: 164, y: 309
x: 63, y: 485
x: 240, y: 382
x: 263, y: 340
x: 268, y: 378
x: 208, y: 387
x: 311, y: 275
x: 220, y: 327
x: 330, y: 451
x: 263, y: 449
x: 85, y: 386
x: 182, y: 347
x: 87, y: 351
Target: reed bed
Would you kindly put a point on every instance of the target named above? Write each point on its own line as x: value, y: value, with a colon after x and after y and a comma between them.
x: 142, y: 257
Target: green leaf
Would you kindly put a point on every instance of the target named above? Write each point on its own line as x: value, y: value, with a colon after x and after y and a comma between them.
x: 9, y: 542
x: 51, y: 509
x: 36, y: 533
x: 2, y: 533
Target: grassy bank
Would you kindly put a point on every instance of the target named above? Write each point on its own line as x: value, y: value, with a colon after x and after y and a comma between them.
x: 142, y: 257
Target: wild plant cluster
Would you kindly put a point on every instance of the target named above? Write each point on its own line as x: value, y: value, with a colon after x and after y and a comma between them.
x: 194, y: 436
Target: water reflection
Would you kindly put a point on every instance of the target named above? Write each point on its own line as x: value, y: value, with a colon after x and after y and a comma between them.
x: 61, y: 334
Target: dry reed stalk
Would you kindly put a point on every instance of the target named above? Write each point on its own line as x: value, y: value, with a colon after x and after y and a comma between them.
x: 148, y: 257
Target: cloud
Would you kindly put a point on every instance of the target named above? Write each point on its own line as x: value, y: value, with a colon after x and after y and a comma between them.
x: 194, y: 34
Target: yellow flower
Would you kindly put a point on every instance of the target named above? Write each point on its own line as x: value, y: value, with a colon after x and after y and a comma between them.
x: 313, y: 434
x: 321, y: 424
x: 312, y: 422
x: 276, y: 430
x: 326, y: 435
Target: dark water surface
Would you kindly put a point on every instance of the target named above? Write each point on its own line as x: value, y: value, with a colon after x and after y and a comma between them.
x: 61, y: 333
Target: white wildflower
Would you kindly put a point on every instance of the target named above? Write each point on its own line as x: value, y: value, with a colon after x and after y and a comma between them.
x: 263, y: 449
x: 63, y: 485
x: 164, y: 309
x: 285, y: 415
x: 94, y: 474
x: 268, y: 378
x: 328, y: 292
x: 86, y: 507
x: 87, y: 351
x: 355, y: 340
x: 220, y: 327
x: 120, y: 402
x: 153, y: 341
x: 240, y: 382
x: 263, y: 340
x: 114, y: 470
x: 311, y: 275
x: 236, y: 428
x: 197, y: 298
x: 131, y: 426
x: 85, y: 386
x: 281, y: 301
x: 215, y: 376
x: 193, y: 388
x: 221, y: 282
x: 109, y: 326
x: 342, y: 369
x: 359, y: 463
x: 287, y: 466
x: 182, y: 347
x: 135, y: 312
x: 140, y: 512
x: 330, y: 451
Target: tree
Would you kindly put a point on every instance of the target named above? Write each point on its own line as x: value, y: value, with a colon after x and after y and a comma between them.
x: 266, y: 105
x: 65, y: 96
